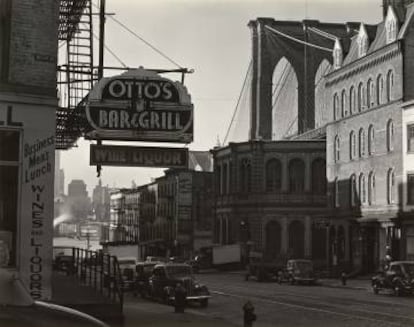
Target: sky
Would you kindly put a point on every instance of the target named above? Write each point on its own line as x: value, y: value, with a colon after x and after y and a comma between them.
x: 212, y: 38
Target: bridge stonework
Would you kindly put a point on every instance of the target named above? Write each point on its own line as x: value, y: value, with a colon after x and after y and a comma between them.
x: 269, y: 48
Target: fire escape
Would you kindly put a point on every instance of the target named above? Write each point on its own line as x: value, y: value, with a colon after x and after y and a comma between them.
x: 76, y: 74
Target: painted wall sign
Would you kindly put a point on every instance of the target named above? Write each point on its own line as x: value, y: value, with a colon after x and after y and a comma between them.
x: 140, y: 105
x: 130, y: 156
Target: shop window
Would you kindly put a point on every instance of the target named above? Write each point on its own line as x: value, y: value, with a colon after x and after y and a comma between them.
x: 9, y: 177
x: 410, y: 189
x: 410, y: 138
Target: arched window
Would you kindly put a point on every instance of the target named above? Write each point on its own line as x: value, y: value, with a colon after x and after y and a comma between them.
x: 352, y: 100
x: 390, y: 135
x: 370, y: 93
x: 245, y: 175
x: 319, y: 176
x: 371, y: 188
x: 380, y: 90
x: 361, y: 142
x: 296, y: 176
x: 371, y: 140
x: 390, y: 186
x: 352, y: 189
x: 390, y: 85
x: 352, y: 145
x: 337, y: 148
x: 391, y: 25
x: 336, y: 110
x: 361, y: 97
x: 362, y: 189
x: 343, y: 104
x: 273, y: 175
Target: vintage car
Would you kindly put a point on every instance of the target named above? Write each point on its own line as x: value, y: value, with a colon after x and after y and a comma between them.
x: 298, y: 271
x: 127, y: 267
x: 398, y: 276
x: 166, y: 276
x: 263, y: 270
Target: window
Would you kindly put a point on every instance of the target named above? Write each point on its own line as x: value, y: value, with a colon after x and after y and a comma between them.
x: 370, y: 93
x: 9, y: 176
x: 361, y: 97
x: 337, y: 148
x: 380, y: 90
x: 352, y: 100
x: 273, y: 175
x: 352, y: 145
x: 390, y: 186
x: 371, y: 140
x: 362, y: 189
x: 371, y: 188
x: 361, y: 142
x: 390, y: 135
x: 344, y: 109
x: 336, y: 111
x: 410, y: 189
x: 352, y: 188
x: 5, y: 22
x: 319, y: 176
x: 410, y: 138
x: 391, y: 25
x: 390, y: 85
x: 296, y: 176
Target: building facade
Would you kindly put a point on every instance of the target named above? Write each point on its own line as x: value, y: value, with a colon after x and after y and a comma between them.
x: 369, y: 133
x: 28, y: 102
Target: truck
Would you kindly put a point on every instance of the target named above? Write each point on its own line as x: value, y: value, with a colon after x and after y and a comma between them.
x: 227, y: 256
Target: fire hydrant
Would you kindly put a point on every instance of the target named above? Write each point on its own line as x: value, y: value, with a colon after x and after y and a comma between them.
x: 249, y: 316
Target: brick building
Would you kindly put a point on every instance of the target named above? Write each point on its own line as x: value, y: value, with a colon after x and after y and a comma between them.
x: 28, y: 102
x: 369, y: 133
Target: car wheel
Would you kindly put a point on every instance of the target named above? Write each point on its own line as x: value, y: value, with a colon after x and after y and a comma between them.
x: 375, y: 289
x: 204, y: 303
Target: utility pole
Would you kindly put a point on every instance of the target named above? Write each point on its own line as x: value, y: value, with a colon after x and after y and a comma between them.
x: 101, y: 58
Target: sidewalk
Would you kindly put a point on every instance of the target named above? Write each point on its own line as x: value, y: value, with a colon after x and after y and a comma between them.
x: 355, y: 283
x: 144, y: 313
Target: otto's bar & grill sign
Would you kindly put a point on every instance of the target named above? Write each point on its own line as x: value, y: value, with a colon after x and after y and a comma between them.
x: 140, y: 105
x: 112, y: 155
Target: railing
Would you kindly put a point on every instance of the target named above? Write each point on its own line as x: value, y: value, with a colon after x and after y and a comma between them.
x: 99, y: 271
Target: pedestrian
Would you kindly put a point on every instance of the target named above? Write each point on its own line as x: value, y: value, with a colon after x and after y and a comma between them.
x: 180, y: 295
x: 248, y: 314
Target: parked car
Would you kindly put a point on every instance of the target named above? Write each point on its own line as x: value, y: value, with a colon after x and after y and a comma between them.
x: 127, y: 267
x: 297, y: 271
x: 165, y: 278
x: 398, y: 277
x: 263, y: 270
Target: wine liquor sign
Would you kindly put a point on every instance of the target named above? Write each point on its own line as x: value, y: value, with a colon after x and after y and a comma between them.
x: 140, y: 105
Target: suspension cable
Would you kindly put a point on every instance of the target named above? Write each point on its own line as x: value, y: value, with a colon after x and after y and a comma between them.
x: 238, y: 100
x: 323, y: 33
x: 297, y: 40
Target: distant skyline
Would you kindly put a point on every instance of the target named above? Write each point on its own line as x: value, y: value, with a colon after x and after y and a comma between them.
x: 209, y: 36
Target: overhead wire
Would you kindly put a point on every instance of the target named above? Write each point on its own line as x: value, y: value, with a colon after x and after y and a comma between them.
x: 249, y: 68
x: 111, y: 52
x: 143, y: 40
